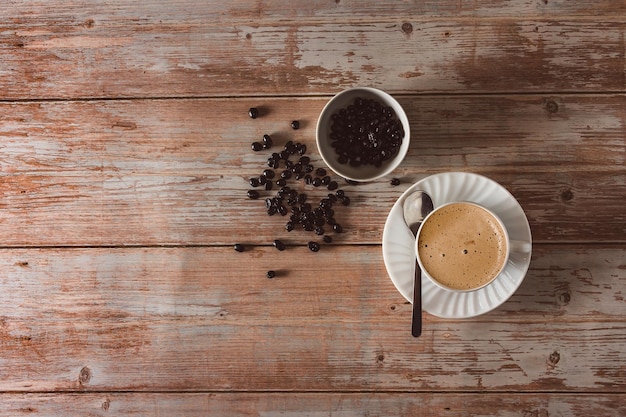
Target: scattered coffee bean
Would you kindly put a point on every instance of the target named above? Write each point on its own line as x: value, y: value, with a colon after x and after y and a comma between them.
x: 313, y: 246
x: 254, y: 182
x: 320, y: 172
x: 253, y: 112
x: 270, y: 274
x: 239, y: 247
x: 327, y: 239
x: 279, y: 245
x: 268, y: 173
x: 257, y: 146
x: 295, y: 125
x: 267, y: 141
x: 253, y: 194
x: 395, y: 181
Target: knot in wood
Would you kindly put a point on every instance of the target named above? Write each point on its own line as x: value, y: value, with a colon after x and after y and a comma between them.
x: 564, y: 298
x: 554, y: 358
x: 407, y: 28
x: 84, y: 376
x: 552, y: 106
x: 567, y: 195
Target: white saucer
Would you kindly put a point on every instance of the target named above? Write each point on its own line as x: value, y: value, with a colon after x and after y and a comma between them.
x: 399, y: 255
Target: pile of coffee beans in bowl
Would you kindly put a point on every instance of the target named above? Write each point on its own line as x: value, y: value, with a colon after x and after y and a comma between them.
x: 363, y: 134
x: 366, y: 133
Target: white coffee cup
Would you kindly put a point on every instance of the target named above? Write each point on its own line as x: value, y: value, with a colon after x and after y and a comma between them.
x: 463, y: 246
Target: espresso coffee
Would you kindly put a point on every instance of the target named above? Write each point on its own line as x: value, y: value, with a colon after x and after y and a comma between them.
x: 462, y: 246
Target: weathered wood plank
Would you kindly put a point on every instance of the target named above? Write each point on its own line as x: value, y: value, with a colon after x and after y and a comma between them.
x: 140, y: 55
x: 41, y: 11
x: 146, y: 172
x: 317, y: 404
x: 208, y: 319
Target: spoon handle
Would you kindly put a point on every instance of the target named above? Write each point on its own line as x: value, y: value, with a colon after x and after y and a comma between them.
x: 416, y: 318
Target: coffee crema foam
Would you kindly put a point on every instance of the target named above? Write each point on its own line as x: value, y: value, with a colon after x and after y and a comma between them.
x: 462, y: 246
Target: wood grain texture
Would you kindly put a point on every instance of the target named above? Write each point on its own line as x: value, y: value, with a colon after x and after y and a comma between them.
x: 140, y: 55
x: 124, y: 164
x: 317, y: 404
x: 177, y: 319
x: 149, y: 172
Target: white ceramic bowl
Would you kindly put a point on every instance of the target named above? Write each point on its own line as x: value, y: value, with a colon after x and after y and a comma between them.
x: 328, y: 153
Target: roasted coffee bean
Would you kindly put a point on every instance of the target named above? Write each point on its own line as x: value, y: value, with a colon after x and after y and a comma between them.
x: 319, y: 231
x: 254, y: 182
x: 289, y: 226
x: 279, y: 245
x: 286, y: 174
x: 317, y: 182
x: 253, y: 194
x: 332, y: 185
x: 309, y: 168
x: 268, y: 173
x: 337, y: 228
x: 327, y: 239
x: 262, y: 180
x: 345, y: 200
x: 308, y: 180
x: 340, y: 193
x: 257, y: 146
x: 302, y: 149
x: 332, y: 198
x: 270, y: 274
x: 272, y: 163
x: 267, y: 141
x: 281, y: 182
x: 326, y: 180
x: 269, y: 185
x: 239, y: 247
x: 395, y: 181
x: 320, y: 172
x: 253, y: 112
x: 304, y: 160
x: 282, y: 210
x: 295, y: 125
x: 314, y: 246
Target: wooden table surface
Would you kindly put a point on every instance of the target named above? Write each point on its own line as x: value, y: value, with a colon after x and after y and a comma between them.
x: 125, y: 158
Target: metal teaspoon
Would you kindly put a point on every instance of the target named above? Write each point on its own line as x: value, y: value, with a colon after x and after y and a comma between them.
x: 416, y: 206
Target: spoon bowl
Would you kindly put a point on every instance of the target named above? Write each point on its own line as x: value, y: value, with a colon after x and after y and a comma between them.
x: 415, y: 208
